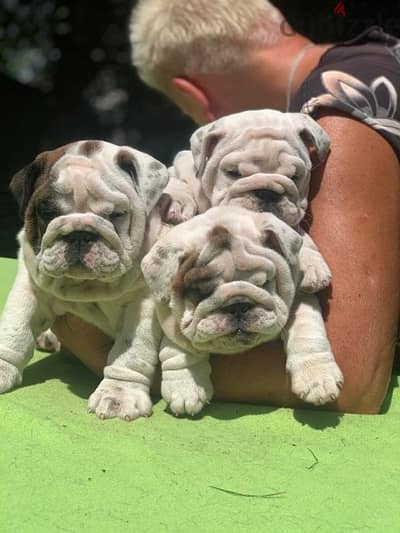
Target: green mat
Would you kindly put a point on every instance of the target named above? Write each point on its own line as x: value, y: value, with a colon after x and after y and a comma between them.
x: 238, y: 468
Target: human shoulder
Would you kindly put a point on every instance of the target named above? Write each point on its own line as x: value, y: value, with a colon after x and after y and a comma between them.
x: 358, y: 152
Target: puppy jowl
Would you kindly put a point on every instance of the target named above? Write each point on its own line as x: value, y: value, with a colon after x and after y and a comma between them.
x: 88, y: 221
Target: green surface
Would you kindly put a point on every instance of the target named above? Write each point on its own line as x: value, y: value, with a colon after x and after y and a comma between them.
x: 238, y: 468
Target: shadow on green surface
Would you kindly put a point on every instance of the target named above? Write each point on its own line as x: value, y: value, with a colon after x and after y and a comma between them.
x: 65, y: 368
x: 233, y: 410
x: 312, y: 417
x: 394, y: 383
x: 82, y: 382
x: 68, y: 370
x: 316, y: 419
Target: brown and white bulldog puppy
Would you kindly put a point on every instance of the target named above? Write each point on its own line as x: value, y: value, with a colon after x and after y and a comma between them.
x: 224, y: 282
x: 259, y: 160
x: 89, y: 218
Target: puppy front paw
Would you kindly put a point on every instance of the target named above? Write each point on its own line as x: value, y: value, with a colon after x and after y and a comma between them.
x: 125, y: 400
x: 185, y: 396
x: 176, y: 210
x: 316, y: 278
x: 10, y: 376
x: 48, y: 342
x: 317, y: 382
x: 175, y: 214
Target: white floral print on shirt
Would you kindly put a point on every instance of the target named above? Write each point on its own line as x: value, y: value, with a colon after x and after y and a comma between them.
x: 349, y: 94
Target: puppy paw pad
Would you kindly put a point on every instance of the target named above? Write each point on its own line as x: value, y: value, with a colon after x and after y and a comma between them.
x: 318, y: 383
x: 48, y: 342
x: 122, y: 400
x: 185, y: 398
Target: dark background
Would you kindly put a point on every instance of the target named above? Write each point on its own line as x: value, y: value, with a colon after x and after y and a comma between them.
x: 65, y: 74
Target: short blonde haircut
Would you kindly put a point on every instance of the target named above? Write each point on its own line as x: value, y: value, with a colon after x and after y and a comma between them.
x: 183, y: 37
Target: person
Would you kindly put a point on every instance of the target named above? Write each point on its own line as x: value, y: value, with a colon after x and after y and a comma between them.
x: 213, y: 58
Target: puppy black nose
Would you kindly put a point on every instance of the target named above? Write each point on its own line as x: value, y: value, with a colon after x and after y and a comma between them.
x: 238, y: 308
x: 268, y: 197
x: 80, y: 236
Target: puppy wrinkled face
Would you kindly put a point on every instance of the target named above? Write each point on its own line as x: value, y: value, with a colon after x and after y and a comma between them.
x: 229, y: 297
x: 79, y: 224
x: 268, y: 175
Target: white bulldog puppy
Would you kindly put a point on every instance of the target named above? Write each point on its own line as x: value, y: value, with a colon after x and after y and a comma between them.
x: 259, y: 160
x: 224, y: 282
x: 89, y: 218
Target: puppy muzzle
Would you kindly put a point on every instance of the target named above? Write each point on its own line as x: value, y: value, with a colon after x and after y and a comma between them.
x: 268, y: 192
x: 83, y: 246
x: 72, y: 227
x: 238, y: 315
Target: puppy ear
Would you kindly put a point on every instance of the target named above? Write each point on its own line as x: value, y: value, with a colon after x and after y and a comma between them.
x: 148, y: 175
x: 281, y: 237
x: 25, y: 182
x: 202, y: 143
x: 160, y: 267
x: 312, y: 134
x: 183, y: 168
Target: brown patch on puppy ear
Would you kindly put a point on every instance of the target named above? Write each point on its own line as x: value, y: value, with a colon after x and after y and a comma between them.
x: 24, y: 183
x: 220, y: 237
x: 126, y: 162
x: 89, y: 147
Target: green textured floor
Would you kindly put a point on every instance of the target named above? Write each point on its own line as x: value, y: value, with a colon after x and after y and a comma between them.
x: 239, y: 468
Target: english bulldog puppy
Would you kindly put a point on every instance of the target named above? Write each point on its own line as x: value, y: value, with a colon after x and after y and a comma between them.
x: 259, y: 160
x: 224, y: 282
x: 89, y: 218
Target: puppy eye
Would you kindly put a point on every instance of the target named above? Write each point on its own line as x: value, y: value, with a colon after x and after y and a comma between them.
x: 47, y: 214
x: 233, y: 173
x: 115, y: 216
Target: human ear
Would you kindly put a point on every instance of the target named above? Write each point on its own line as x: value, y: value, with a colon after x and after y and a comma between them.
x: 193, y: 100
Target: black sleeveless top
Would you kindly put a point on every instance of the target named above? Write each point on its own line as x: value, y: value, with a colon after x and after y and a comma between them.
x: 361, y: 78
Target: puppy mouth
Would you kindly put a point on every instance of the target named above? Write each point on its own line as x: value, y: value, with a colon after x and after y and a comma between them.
x: 267, y: 193
x: 240, y: 320
x: 79, y: 252
x: 235, y: 328
x: 236, y: 317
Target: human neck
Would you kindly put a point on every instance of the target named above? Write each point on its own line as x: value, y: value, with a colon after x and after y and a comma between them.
x: 263, y: 81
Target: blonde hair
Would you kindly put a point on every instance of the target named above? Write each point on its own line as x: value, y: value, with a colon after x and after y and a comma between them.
x: 183, y: 37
